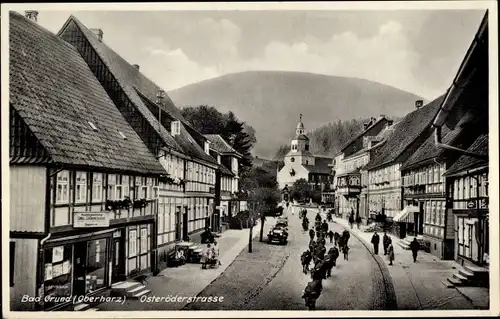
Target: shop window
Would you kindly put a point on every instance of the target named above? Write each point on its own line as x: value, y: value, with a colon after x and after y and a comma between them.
x: 58, y: 272
x: 97, y: 187
x: 96, y: 265
x: 62, y: 193
x: 132, y: 243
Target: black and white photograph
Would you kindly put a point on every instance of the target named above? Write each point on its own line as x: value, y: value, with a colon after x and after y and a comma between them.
x: 203, y: 159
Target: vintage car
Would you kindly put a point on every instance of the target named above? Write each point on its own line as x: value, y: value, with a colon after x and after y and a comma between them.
x: 282, y: 221
x: 278, y: 234
x: 275, y: 212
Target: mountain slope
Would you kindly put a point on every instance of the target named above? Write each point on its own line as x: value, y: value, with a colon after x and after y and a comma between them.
x: 271, y: 101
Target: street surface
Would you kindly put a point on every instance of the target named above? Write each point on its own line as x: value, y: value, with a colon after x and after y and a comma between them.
x: 271, y: 278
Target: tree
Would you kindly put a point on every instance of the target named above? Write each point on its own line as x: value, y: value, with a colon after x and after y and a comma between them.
x: 301, y: 189
x: 240, y: 135
x: 261, y: 187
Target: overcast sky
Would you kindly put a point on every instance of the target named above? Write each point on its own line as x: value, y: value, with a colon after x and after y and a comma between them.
x: 417, y: 51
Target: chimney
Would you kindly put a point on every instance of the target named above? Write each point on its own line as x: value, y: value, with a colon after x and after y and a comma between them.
x: 98, y: 33
x: 32, y: 15
x: 419, y: 103
x: 136, y: 66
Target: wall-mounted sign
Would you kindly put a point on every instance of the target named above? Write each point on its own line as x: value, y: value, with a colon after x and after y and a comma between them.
x: 90, y: 219
x: 117, y: 234
x: 57, y: 254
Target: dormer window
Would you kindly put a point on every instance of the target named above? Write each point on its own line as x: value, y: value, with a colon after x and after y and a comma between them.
x: 175, y: 128
x: 207, y: 147
x: 92, y: 125
x: 122, y: 135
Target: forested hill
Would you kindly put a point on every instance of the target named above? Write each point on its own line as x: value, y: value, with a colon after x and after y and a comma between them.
x: 329, y: 139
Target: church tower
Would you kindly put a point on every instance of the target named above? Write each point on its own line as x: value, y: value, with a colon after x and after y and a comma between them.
x: 299, y: 147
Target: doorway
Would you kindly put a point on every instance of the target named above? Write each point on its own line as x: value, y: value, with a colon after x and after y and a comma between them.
x: 185, y: 221
x: 118, y: 271
x: 178, y: 222
x: 79, y: 270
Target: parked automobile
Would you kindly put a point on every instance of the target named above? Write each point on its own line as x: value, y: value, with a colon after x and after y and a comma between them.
x: 282, y: 221
x: 278, y: 211
x: 278, y: 234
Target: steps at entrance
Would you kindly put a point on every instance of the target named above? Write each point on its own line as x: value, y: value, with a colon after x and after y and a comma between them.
x: 129, y: 289
x: 469, y: 276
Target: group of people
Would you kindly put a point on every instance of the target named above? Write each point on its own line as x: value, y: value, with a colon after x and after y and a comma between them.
x: 353, y: 220
x: 386, y: 243
x: 323, y: 261
x: 210, y: 255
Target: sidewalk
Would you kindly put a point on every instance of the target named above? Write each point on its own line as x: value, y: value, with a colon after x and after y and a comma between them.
x: 418, y: 285
x: 188, y: 280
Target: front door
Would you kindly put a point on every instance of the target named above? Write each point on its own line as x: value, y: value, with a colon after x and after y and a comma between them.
x: 178, y: 223
x: 79, y: 270
x: 185, y: 224
x: 118, y: 273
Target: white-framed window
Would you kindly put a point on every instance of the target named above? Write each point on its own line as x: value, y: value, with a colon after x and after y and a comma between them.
x: 176, y: 128
x: 111, y: 187
x: 62, y: 191
x: 97, y: 187
x: 144, y: 240
x: 144, y: 192
x: 125, y: 186
x: 119, y: 188
x: 81, y: 187
x: 132, y: 243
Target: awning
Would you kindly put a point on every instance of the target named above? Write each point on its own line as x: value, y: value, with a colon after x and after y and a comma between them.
x: 406, y: 215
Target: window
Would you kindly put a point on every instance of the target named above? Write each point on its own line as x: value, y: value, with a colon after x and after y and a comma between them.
x: 122, y: 135
x: 62, y: 194
x: 111, y: 187
x: 144, y: 240
x: 126, y: 186
x: 97, y: 187
x: 92, y: 125
x: 132, y: 243
x: 81, y: 187
x: 307, y: 147
x: 176, y: 128
x: 144, y: 192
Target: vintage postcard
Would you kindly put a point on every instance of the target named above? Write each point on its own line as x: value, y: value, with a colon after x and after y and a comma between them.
x: 250, y: 159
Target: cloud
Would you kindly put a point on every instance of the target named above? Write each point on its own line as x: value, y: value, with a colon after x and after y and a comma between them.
x: 388, y: 57
x: 173, y: 68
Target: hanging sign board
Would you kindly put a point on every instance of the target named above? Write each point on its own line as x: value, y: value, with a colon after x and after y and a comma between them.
x: 90, y: 219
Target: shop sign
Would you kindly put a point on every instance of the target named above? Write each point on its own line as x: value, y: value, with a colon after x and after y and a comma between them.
x: 90, y: 219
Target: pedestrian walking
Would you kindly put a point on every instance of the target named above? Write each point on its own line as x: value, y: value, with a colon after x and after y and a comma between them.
x: 346, y: 236
x: 358, y: 221
x: 375, y: 242
x: 324, y: 226
x: 312, y: 292
x: 311, y: 233
x: 330, y: 236
x: 351, y: 219
x: 414, y: 246
x: 306, y: 260
x: 390, y: 252
x: 385, y: 242
x: 334, y: 253
x: 346, y: 252
x: 336, y: 237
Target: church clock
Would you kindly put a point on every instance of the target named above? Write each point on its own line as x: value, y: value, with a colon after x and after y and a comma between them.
x: 292, y: 159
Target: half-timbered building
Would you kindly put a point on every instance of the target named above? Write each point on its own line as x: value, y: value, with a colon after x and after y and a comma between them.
x: 187, y: 192
x: 83, y: 183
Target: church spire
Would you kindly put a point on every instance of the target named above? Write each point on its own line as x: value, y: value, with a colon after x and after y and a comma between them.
x: 300, y: 126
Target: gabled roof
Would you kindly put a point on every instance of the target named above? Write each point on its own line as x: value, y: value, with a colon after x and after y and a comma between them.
x: 132, y: 81
x: 354, y: 139
x: 465, y: 162
x: 321, y: 166
x: 185, y: 141
x: 219, y: 145
x: 405, y: 133
x: 56, y: 94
